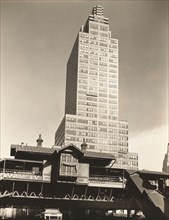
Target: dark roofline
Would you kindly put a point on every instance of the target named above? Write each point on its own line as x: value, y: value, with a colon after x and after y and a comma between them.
x: 35, y: 150
x: 153, y: 173
x: 68, y: 146
x: 27, y: 149
x: 20, y: 160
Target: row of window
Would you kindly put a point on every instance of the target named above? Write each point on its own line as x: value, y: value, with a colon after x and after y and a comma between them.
x: 67, y: 170
x: 97, y: 26
x: 101, y: 116
x: 94, y: 99
x: 123, y: 138
x: 123, y: 144
x: 134, y: 157
x: 102, y: 47
x: 123, y: 150
x: 94, y: 134
x: 123, y: 125
x: 81, y: 127
x: 95, y: 86
x: 100, y: 100
x: 102, y: 76
x: 104, y: 34
x: 100, y: 111
x: 90, y: 128
x: 102, y: 53
x: 68, y: 158
x: 102, y: 106
x: 123, y: 132
x: 97, y: 33
x: 93, y: 70
x: 108, y: 148
x: 89, y: 122
x: 109, y: 143
x: 95, y: 93
x: 99, y: 62
x: 101, y: 42
x: 101, y: 85
x: 93, y: 35
x: 72, y: 130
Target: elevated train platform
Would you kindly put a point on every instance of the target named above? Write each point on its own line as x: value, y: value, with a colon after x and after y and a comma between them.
x: 71, y: 179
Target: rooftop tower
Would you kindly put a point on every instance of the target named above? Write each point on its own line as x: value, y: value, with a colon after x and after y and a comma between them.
x: 98, y: 10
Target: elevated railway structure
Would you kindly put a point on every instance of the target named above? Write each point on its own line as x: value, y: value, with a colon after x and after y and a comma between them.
x: 72, y: 179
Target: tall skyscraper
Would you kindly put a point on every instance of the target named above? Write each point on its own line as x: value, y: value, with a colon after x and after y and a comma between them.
x: 92, y: 102
x: 166, y: 161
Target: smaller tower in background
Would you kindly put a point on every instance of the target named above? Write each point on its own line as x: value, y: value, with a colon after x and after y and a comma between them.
x: 166, y: 161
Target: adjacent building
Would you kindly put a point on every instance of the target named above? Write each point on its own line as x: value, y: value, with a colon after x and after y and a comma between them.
x: 166, y: 161
x: 92, y: 95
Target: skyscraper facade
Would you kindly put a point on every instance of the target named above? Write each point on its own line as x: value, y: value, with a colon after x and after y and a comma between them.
x: 166, y: 161
x: 92, y: 102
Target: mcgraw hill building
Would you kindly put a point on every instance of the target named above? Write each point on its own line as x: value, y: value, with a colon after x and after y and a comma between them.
x: 91, y: 105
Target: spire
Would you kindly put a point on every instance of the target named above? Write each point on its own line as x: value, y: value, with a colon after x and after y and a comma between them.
x: 39, y: 141
x: 98, y: 10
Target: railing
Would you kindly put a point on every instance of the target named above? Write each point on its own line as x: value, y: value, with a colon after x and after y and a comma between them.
x: 107, y: 178
x: 107, y: 181
x: 19, y: 174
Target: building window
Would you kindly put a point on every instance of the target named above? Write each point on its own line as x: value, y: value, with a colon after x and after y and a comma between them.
x: 69, y: 157
x: 92, y: 122
x: 103, y: 69
x: 102, y: 95
x: 103, y: 100
x: 91, y: 147
x: 104, y: 34
x: 81, y: 76
x: 93, y: 25
x: 104, y: 27
x: 72, y: 132
x: 94, y: 32
x: 113, y: 46
x: 92, y: 128
x: 103, y: 116
x: 63, y: 158
x: 70, y: 119
x: 82, y: 81
x: 101, y: 123
x: 62, y: 169
x: 68, y: 165
x: 83, y: 121
x: 74, y: 170
x: 103, y: 129
x: 70, y: 138
x: 103, y: 44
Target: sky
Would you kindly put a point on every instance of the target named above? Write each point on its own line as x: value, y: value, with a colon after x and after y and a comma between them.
x: 36, y: 41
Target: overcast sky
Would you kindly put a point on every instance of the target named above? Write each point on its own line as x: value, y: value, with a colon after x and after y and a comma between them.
x: 36, y: 41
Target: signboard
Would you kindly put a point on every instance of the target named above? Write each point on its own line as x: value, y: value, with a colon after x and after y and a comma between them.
x: 47, y: 168
x: 82, y: 173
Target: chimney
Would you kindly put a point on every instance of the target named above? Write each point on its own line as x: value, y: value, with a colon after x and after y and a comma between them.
x: 39, y: 141
x: 84, y: 146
